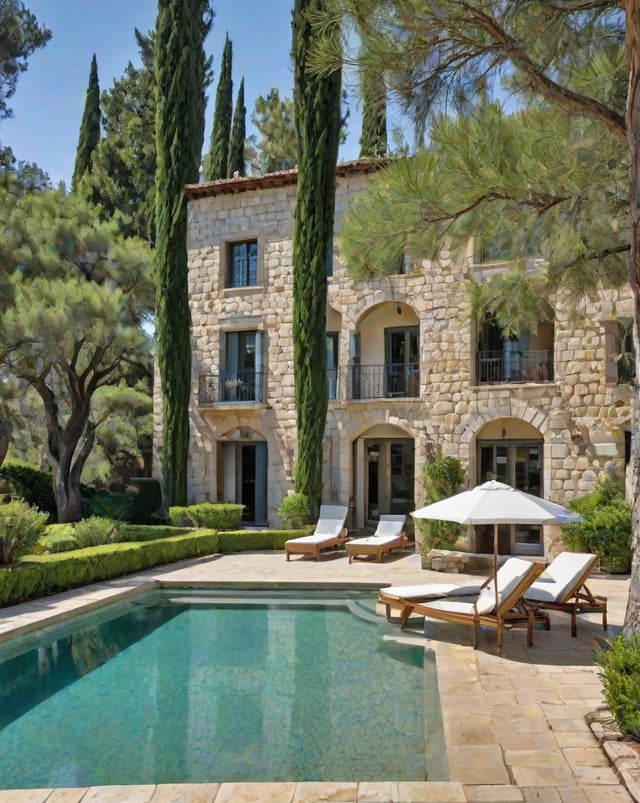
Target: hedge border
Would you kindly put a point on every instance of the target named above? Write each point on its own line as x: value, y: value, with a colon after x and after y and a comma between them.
x: 36, y: 576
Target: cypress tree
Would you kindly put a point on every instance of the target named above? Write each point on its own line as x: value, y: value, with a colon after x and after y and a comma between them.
x: 317, y: 117
x: 89, y: 128
x: 238, y: 135
x: 373, y: 140
x: 215, y: 163
x: 180, y: 66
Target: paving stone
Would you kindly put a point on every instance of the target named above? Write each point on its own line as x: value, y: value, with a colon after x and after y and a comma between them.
x: 185, y: 793
x: 312, y: 791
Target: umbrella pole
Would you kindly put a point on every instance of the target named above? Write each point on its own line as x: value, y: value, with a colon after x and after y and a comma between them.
x: 495, y: 560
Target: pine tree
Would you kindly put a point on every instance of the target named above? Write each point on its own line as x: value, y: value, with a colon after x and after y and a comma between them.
x: 181, y: 28
x: 238, y: 136
x: 373, y: 140
x: 89, y: 128
x: 276, y: 147
x: 215, y: 163
x: 317, y: 116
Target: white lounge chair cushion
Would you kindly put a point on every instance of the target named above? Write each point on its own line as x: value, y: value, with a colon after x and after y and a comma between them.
x: 316, y: 538
x: 509, y: 575
x: 450, y: 606
x: 429, y: 591
x: 559, y: 577
x: 329, y: 528
x: 389, y: 528
x: 373, y: 540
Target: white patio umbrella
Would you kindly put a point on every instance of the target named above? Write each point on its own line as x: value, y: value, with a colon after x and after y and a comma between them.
x: 496, y: 503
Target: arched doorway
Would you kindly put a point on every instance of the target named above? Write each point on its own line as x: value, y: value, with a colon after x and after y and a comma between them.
x: 511, y: 451
x: 384, y: 461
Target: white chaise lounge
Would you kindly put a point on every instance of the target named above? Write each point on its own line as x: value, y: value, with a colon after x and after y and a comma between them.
x: 389, y: 535
x: 330, y: 533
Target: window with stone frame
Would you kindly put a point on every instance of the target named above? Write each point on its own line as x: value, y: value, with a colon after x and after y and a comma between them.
x: 242, y: 264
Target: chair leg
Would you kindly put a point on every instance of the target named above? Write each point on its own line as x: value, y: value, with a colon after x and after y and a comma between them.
x: 530, y: 627
x: 404, y: 617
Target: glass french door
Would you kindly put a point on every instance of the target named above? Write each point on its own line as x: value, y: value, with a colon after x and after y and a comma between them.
x: 519, y: 464
x: 389, y: 477
x: 401, y: 362
x: 245, y: 478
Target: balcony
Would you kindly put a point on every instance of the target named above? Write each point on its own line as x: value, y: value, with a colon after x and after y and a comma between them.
x: 495, y: 367
x: 392, y: 380
x: 230, y: 386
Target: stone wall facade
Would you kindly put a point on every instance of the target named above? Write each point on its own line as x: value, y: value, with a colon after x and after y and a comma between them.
x: 579, y: 417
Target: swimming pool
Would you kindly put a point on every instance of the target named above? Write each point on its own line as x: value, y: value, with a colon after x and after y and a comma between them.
x: 193, y: 686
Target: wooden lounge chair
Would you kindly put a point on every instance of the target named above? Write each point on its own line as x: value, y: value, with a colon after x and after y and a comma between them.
x: 405, y: 598
x: 513, y: 578
x: 389, y: 535
x: 330, y: 533
x: 562, y: 588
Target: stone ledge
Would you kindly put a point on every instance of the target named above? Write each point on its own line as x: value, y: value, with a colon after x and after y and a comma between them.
x: 622, y: 752
x: 448, y: 560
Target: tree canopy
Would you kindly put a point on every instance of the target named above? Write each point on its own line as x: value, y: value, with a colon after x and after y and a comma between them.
x: 238, y: 136
x: 89, y: 128
x: 556, y: 169
x: 317, y: 119
x: 216, y: 161
x: 180, y: 74
x: 70, y: 321
x: 20, y: 36
x: 276, y: 144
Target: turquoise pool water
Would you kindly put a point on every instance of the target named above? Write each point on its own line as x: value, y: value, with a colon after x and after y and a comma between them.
x: 202, y: 688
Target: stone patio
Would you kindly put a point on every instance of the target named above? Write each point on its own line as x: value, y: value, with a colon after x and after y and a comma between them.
x: 515, y: 727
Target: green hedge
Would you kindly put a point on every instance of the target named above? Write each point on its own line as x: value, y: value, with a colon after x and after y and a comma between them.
x: 38, y: 575
x: 140, y: 532
x: 222, y: 516
x: 256, y: 540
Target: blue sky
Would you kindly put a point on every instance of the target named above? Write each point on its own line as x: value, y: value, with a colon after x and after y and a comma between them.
x: 50, y: 97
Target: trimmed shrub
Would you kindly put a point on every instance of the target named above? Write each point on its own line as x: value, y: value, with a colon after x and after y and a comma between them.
x: 57, y: 538
x: 294, y: 511
x: 620, y: 665
x: 606, y: 530
x: 95, y: 531
x: 139, y: 532
x: 254, y: 540
x: 39, y: 575
x: 223, y: 516
x: 31, y: 484
x: 179, y: 517
x: 20, y: 527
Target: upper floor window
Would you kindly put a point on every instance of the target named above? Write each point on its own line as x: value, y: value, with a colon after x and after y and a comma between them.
x: 243, y: 264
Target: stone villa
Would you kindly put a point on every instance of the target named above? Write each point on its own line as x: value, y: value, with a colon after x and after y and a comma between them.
x: 409, y: 374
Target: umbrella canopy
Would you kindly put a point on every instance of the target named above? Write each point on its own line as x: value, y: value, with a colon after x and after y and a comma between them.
x: 496, y: 503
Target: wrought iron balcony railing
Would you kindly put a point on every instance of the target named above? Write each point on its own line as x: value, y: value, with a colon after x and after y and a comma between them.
x: 230, y: 386
x: 392, y: 380
x: 498, y: 366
